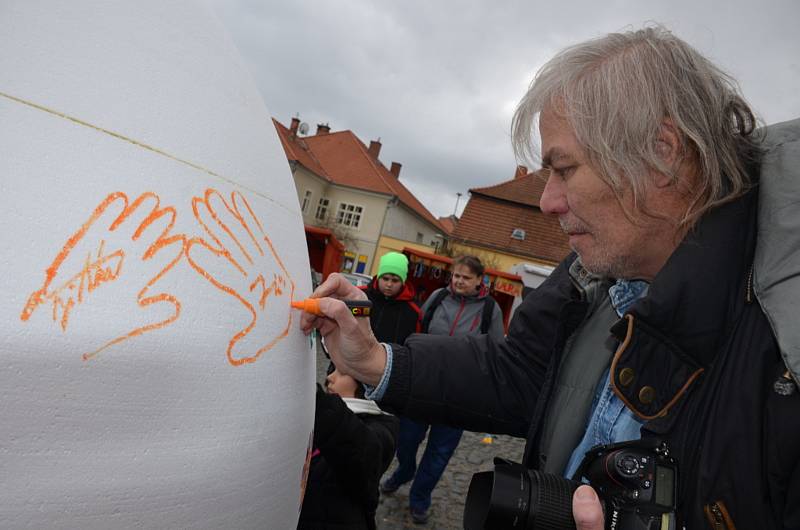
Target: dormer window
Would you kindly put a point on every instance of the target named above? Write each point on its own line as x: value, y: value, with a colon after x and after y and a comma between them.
x: 518, y: 234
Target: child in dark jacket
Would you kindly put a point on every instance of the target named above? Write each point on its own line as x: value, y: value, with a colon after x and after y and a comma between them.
x: 354, y: 443
x: 394, y: 314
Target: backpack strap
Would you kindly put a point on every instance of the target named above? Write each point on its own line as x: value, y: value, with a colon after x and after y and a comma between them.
x: 428, y: 316
x: 488, y: 312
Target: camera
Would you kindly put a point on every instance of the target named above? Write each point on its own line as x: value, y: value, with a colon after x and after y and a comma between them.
x: 636, y: 482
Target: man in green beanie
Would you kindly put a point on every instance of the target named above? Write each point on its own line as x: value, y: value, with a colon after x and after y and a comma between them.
x: 394, y: 314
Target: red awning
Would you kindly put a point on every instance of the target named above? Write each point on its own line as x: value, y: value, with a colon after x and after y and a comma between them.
x: 324, y: 250
x: 428, y: 255
x: 325, y: 232
x: 449, y: 261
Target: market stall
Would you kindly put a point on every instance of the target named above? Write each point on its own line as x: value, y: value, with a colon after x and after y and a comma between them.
x: 324, y: 251
x: 428, y: 272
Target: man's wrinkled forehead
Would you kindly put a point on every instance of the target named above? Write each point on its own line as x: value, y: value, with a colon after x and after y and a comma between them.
x: 558, y: 141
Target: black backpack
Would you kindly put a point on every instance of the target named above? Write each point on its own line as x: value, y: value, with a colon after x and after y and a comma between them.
x: 486, y: 316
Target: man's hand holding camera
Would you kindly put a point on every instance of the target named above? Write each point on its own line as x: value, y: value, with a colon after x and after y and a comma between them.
x: 586, y: 509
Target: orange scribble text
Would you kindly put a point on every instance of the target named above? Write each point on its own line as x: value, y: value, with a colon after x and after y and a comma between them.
x: 124, y: 242
x: 65, y: 290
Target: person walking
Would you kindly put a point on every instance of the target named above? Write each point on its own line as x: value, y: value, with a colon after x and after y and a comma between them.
x: 462, y: 308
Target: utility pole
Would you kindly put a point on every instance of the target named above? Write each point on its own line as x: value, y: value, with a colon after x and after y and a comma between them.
x: 458, y: 198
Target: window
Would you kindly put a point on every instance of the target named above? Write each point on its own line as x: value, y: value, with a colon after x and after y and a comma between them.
x: 420, y: 236
x: 306, y: 201
x: 518, y: 233
x: 322, y: 208
x: 349, y: 215
x: 348, y: 262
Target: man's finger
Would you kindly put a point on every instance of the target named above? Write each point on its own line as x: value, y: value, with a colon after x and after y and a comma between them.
x: 337, y: 310
x: 327, y: 326
x: 586, y: 509
x: 335, y: 286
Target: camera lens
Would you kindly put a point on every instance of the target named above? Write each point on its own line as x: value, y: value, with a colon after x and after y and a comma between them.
x: 551, y: 501
x: 516, y: 497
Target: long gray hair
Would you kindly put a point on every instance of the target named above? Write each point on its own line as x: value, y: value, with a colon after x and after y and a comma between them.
x: 616, y: 91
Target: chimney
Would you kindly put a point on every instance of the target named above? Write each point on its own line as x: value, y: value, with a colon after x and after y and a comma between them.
x: 521, y: 172
x: 323, y: 128
x: 374, y: 148
x: 396, y: 170
x: 293, y: 127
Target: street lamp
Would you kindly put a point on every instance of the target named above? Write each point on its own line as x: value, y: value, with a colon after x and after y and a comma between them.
x: 458, y: 198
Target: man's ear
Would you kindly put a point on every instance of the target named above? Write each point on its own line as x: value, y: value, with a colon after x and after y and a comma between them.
x: 668, y: 149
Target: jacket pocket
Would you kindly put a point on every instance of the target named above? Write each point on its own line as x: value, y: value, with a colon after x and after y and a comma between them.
x: 718, y: 516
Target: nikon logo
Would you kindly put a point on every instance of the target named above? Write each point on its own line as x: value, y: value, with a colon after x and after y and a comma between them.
x: 614, y: 520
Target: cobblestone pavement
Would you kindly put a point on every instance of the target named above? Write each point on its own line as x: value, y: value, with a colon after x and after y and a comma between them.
x: 447, y: 510
x: 472, y: 455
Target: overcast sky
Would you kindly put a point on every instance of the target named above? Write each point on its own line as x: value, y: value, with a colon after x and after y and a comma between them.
x: 438, y: 81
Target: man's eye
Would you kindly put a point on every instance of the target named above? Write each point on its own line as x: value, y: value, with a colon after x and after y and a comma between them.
x: 564, y: 172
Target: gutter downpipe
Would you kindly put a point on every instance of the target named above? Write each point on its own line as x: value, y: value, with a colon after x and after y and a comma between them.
x: 390, y: 203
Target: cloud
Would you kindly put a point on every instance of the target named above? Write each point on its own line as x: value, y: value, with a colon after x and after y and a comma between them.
x: 438, y: 81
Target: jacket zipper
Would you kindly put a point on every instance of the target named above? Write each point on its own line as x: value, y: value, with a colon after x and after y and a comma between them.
x: 718, y: 516
x: 458, y: 315
x: 748, y: 295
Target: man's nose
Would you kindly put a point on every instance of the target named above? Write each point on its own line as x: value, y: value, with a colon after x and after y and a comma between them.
x: 554, y: 197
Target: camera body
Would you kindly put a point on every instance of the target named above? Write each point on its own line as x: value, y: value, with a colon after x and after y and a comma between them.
x: 636, y: 482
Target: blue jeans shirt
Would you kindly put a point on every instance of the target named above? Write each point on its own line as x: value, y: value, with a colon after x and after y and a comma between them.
x: 610, y: 421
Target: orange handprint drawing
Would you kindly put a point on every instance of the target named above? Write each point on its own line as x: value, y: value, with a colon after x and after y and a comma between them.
x: 86, y: 263
x: 239, y: 259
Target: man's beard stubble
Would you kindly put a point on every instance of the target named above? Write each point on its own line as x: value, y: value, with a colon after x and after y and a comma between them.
x: 603, y: 262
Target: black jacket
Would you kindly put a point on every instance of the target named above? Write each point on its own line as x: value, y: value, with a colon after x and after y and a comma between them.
x: 393, y: 319
x: 699, y: 339
x: 351, y: 452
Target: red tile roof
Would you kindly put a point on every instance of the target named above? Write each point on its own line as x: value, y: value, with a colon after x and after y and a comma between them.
x: 448, y: 223
x: 343, y: 159
x: 297, y: 150
x: 522, y: 190
x: 493, y: 212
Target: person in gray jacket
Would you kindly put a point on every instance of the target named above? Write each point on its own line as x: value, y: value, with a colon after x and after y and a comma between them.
x: 462, y: 308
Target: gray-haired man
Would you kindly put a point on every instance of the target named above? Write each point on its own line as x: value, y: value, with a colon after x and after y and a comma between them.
x: 652, y: 327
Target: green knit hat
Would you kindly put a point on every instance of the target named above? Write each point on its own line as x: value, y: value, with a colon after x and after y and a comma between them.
x: 393, y: 263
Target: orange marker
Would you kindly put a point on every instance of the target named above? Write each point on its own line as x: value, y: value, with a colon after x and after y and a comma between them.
x: 359, y: 308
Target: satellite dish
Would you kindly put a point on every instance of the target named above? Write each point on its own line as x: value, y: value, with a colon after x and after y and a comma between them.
x: 303, y: 129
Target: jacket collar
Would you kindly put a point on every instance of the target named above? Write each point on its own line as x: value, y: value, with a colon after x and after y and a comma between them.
x: 691, y: 298
x: 669, y: 337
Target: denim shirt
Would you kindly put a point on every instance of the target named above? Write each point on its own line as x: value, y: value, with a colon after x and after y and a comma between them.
x: 610, y: 421
x: 376, y: 393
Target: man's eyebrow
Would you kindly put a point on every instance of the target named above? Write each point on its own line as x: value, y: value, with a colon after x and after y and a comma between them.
x: 553, y: 155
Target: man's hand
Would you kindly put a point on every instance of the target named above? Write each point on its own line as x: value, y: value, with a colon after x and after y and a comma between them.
x: 586, y: 509
x: 353, y: 348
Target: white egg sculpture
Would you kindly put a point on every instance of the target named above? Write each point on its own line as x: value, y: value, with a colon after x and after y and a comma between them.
x: 152, y: 373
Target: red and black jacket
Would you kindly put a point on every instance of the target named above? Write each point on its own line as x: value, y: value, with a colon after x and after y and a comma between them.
x: 393, y: 319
